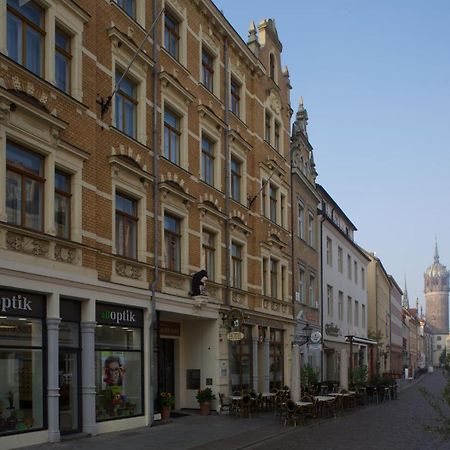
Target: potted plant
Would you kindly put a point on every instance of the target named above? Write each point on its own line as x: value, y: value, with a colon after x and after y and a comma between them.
x: 167, y: 401
x: 204, y: 398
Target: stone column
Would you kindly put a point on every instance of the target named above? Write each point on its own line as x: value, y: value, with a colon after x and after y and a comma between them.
x: 255, y: 340
x: 266, y: 362
x: 88, y: 376
x: 343, y: 375
x: 52, y: 378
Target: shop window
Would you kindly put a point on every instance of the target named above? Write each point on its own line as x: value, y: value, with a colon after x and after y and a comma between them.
x: 118, y: 363
x: 236, y: 263
x: 172, y: 136
x: 172, y: 242
x: 62, y: 204
x: 235, y: 179
x: 25, y: 34
x: 276, y: 359
x: 235, y: 97
x: 63, y: 57
x: 24, y: 187
x: 207, y: 70
x: 209, y: 252
x: 126, y: 226
x: 171, y: 35
x: 241, y: 367
x: 129, y: 6
x: 126, y: 105
x: 208, y: 161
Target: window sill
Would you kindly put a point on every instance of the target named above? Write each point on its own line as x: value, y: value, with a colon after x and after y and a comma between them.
x: 176, y: 61
x: 163, y: 158
x: 132, y: 139
x: 238, y: 118
x: 123, y: 12
x: 211, y: 187
x: 210, y: 93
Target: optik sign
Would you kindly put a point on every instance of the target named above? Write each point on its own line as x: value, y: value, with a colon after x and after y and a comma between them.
x: 118, y: 315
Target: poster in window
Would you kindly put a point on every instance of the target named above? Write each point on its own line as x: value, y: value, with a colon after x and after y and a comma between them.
x: 113, y: 370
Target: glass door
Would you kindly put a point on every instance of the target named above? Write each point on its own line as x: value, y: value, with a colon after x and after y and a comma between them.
x: 69, y: 409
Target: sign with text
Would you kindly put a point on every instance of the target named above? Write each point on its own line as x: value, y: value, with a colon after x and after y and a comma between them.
x: 19, y: 303
x: 235, y: 336
x: 118, y: 315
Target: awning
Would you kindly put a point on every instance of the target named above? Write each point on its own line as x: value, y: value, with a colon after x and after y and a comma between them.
x: 361, y: 340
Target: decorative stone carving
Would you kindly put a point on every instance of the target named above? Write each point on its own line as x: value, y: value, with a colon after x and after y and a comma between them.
x: 128, y: 270
x: 16, y: 83
x: 266, y: 304
x: 275, y: 306
x: 66, y: 254
x: 27, y: 244
x: 237, y: 298
x: 275, y: 102
x: 173, y: 282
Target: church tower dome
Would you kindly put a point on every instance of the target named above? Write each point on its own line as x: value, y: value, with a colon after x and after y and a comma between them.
x: 436, y: 279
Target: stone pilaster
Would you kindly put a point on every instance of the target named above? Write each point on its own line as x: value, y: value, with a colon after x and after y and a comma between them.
x: 52, y: 378
x: 88, y: 377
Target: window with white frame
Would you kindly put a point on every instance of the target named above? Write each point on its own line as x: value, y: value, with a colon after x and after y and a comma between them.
x: 63, y: 196
x: 283, y: 283
x: 312, y: 290
x: 207, y: 69
x: 356, y: 313
x: 263, y: 198
x: 172, y: 136
x: 126, y: 226
x: 172, y: 242
x: 355, y: 271
x: 301, y: 221
x: 63, y: 58
x: 129, y: 6
x: 267, y: 126
x: 207, y: 160
x: 273, y: 194
x: 311, y: 229
x: 301, y: 285
x: 126, y: 105
x: 265, y: 263
x: 363, y: 316
x: 363, y: 278
x: 329, y: 251
x: 171, y: 35
x: 236, y: 265
x: 277, y: 136
x: 209, y: 252
x: 340, y: 260
x: 236, y: 167
x: 25, y: 34
x: 349, y: 310
x: 273, y: 278
x: 340, y: 305
x: 235, y: 89
x: 282, y: 210
x: 330, y: 300
x: 24, y: 187
x: 349, y: 267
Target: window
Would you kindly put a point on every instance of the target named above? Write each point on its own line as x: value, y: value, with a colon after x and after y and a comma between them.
x: 439, y: 347
x: 363, y: 316
x: 330, y: 300
x: 312, y: 290
x: 63, y: 57
x: 273, y: 202
x: 277, y: 136
x: 263, y: 197
x: 356, y: 313
x: 301, y: 285
x: 264, y: 276
x: 283, y: 283
x: 355, y: 267
x: 363, y: 278
x: 235, y: 179
x: 126, y: 105
x: 25, y: 34
x: 439, y: 338
x: 235, y: 97
x: 349, y: 267
x: 329, y: 252
x: 276, y: 359
x: 208, y: 161
x: 340, y: 260
x: 272, y: 67
x: 172, y: 241
x: 129, y: 6
x: 171, y: 35
x: 209, y: 251
x: 24, y: 187
x: 273, y: 278
x: 301, y: 221
x: 236, y: 260
x: 349, y: 310
x: 207, y: 70
x: 341, y: 305
x: 311, y: 229
x: 171, y: 136
x: 126, y: 226
x: 268, y: 127
x: 62, y: 204
x: 282, y: 209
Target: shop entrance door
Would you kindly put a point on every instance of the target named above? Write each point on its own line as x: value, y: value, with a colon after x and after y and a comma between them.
x: 69, y: 400
x: 166, y: 366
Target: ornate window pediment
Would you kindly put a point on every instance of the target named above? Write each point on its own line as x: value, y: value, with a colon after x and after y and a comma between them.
x: 172, y: 185
x: 169, y: 82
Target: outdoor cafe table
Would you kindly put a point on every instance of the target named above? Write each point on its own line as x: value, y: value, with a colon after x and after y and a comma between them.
x: 236, y: 398
x: 323, y: 398
x: 303, y: 404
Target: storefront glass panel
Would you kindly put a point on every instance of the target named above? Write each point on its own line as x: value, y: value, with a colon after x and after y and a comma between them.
x: 241, y: 367
x: 276, y: 359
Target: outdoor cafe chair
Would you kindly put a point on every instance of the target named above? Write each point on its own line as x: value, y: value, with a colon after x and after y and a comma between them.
x: 245, y: 406
x: 223, y: 405
x: 292, y: 414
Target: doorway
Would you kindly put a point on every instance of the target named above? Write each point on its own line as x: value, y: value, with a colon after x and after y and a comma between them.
x: 69, y: 402
x: 166, y: 366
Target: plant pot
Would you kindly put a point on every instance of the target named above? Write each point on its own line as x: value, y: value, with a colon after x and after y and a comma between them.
x: 205, y: 408
x: 165, y: 412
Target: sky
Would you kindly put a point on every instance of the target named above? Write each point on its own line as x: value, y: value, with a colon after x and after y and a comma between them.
x: 375, y: 78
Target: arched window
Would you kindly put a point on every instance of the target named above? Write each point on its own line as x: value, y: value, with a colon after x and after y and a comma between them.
x: 272, y: 67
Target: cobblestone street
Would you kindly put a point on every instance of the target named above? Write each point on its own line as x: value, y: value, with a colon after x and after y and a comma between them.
x: 396, y: 424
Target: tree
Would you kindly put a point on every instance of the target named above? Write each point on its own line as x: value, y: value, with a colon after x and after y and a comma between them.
x: 443, y: 357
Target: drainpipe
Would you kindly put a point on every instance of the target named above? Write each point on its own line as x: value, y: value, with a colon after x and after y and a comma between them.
x: 227, y: 173
x: 323, y: 213
x: 154, y: 323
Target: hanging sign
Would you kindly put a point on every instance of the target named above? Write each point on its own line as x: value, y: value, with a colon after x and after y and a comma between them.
x: 235, y: 336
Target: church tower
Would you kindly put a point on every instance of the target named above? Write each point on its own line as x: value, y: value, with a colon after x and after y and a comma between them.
x: 436, y: 296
